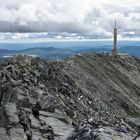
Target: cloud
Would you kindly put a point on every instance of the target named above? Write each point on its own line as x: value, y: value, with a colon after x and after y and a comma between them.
x: 89, y: 18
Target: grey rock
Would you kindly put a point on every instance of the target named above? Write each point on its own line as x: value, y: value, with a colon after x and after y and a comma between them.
x: 17, y: 134
x: 91, y: 130
x: 57, y: 115
x: 35, y: 123
x: 135, y: 121
x: 10, y: 111
x: 48, y: 99
x: 3, y: 134
x: 61, y: 129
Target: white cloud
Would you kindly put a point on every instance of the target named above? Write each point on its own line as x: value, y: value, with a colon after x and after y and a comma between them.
x: 89, y: 18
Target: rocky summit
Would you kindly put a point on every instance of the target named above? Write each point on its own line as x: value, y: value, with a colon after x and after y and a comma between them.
x: 86, y: 97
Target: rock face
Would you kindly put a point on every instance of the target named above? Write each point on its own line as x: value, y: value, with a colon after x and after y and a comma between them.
x: 89, y: 96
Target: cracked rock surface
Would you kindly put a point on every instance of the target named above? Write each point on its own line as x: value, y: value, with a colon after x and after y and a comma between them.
x: 87, y: 97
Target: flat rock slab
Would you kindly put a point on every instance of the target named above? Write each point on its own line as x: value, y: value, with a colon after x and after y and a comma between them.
x: 135, y: 121
x: 54, y: 115
x: 3, y: 134
x: 17, y: 134
x: 61, y: 129
x: 34, y: 122
x: 11, y: 113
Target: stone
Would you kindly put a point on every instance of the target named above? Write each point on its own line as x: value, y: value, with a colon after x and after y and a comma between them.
x: 17, y: 134
x: 36, y: 135
x: 61, y: 129
x: 47, y: 132
x: 51, y: 99
x: 21, y: 59
x: 59, y: 116
x: 11, y: 113
x: 135, y: 122
x: 35, y: 123
x: 3, y: 134
x: 10, y: 68
x: 91, y: 130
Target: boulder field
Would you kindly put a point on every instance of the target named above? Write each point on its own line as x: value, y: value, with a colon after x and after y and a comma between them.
x: 85, y: 97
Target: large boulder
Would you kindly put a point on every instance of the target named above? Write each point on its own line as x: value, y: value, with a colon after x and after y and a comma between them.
x: 9, y: 114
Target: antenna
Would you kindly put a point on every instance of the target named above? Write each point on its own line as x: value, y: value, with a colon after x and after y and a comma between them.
x: 115, y: 24
x: 115, y: 50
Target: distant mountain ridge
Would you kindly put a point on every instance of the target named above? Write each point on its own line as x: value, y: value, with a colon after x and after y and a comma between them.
x: 62, y: 53
x: 135, y: 51
x: 46, y: 53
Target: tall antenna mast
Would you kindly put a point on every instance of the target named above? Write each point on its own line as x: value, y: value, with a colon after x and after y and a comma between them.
x: 115, y: 50
x: 115, y: 24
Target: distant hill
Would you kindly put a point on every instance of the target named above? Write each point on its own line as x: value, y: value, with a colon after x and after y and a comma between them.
x: 62, y: 53
x: 46, y: 53
x: 133, y: 50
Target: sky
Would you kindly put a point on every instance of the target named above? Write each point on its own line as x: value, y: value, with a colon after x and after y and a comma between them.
x: 81, y: 19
